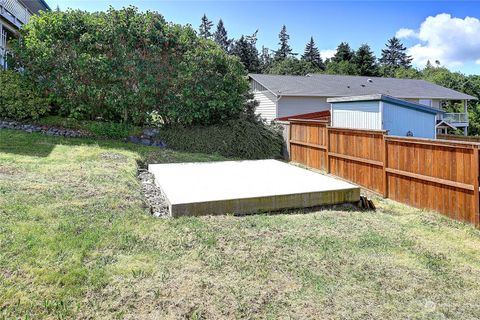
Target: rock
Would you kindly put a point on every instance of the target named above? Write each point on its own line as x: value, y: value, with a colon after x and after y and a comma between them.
x: 153, y: 196
x: 159, y: 143
x: 146, y: 141
x: 134, y: 139
x: 150, y: 132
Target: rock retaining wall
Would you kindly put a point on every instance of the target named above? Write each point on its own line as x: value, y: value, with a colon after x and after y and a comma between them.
x: 48, y: 130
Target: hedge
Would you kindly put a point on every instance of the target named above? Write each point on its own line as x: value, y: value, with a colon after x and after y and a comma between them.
x: 237, y: 138
x: 19, y: 98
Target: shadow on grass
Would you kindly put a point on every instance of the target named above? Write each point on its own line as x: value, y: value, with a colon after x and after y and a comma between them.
x: 13, y: 142
x: 40, y: 145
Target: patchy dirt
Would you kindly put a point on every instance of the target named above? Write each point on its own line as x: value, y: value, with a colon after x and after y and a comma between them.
x: 153, y: 196
x: 113, y: 156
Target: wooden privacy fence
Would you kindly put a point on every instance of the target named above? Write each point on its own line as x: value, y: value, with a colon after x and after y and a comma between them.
x: 433, y: 174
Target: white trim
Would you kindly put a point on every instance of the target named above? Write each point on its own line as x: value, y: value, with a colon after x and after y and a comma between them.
x: 380, y: 109
x: 275, y: 94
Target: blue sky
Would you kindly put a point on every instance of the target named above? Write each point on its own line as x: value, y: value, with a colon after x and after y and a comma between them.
x: 448, y: 35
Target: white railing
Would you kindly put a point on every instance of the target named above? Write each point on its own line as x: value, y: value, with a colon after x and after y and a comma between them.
x: 455, y: 117
x: 16, y: 9
x: 3, y: 39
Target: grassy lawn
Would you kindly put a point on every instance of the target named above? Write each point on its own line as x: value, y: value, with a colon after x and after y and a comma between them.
x: 76, y: 242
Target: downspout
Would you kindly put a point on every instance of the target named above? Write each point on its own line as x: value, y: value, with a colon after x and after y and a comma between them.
x: 465, y: 109
x: 279, y: 97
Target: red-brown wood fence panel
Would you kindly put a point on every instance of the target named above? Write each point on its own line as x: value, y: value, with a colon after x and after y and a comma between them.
x: 357, y: 156
x: 308, y: 143
x: 433, y: 174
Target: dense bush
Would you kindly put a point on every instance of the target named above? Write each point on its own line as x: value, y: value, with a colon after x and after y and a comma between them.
x: 19, y: 98
x: 236, y: 138
x: 122, y: 65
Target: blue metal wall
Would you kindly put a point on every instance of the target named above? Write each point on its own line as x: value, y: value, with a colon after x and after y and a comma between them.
x: 399, y: 120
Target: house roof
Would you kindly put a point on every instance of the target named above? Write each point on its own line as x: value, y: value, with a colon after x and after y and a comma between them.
x: 323, y: 85
x: 386, y: 98
x: 36, y: 5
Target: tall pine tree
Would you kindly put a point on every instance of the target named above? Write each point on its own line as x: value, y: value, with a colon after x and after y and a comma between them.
x: 344, y: 53
x: 205, y: 26
x: 265, y: 60
x: 220, y: 36
x: 312, y: 54
x: 284, y: 51
x: 365, y: 61
x: 395, y: 55
x: 245, y: 49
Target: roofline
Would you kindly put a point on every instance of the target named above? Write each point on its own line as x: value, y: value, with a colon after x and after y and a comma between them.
x: 275, y: 94
x: 45, y: 4
x: 386, y: 98
x: 278, y: 94
x: 445, y: 122
x: 330, y: 96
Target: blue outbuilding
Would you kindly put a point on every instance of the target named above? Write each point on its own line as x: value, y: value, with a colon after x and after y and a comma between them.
x: 382, y: 112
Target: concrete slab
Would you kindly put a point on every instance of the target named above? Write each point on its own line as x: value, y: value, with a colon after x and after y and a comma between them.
x: 210, y: 188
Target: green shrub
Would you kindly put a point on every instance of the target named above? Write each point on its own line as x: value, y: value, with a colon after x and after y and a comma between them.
x: 110, y: 130
x: 122, y: 65
x: 19, y: 99
x: 236, y: 138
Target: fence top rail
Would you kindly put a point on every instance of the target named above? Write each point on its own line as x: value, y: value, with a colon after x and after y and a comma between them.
x: 308, y: 121
x: 435, y: 142
x: 364, y: 131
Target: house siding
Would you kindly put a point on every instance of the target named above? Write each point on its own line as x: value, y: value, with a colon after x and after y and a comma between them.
x: 267, y: 107
x: 290, y: 106
x: 357, y: 115
x: 435, y: 102
x: 399, y: 120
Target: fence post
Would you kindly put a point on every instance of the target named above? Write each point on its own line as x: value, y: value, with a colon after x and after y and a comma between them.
x: 476, y: 177
x: 327, y: 150
x: 289, y: 137
x: 385, y: 164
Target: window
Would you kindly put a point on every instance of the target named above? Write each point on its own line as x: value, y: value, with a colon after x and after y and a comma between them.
x: 425, y: 102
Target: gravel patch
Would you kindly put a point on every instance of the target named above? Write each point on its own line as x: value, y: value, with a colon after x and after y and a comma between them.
x: 153, y: 196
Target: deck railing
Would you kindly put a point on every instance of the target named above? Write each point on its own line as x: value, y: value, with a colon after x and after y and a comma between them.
x: 455, y: 117
x: 16, y: 9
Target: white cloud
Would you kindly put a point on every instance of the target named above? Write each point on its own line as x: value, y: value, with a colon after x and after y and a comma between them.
x: 327, y: 53
x: 406, y: 33
x: 452, y: 41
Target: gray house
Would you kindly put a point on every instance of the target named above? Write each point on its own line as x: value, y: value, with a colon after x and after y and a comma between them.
x: 13, y: 15
x: 283, y: 96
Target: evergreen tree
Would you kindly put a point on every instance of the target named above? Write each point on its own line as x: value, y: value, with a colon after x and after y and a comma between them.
x: 344, y: 53
x: 245, y: 49
x: 293, y: 66
x: 58, y: 8
x: 342, y: 67
x: 365, y: 61
x: 312, y: 54
x: 205, y: 26
x: 395, y: 55
x: 265, y: 60
x: 220, y: 36
x: 284, y: 51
